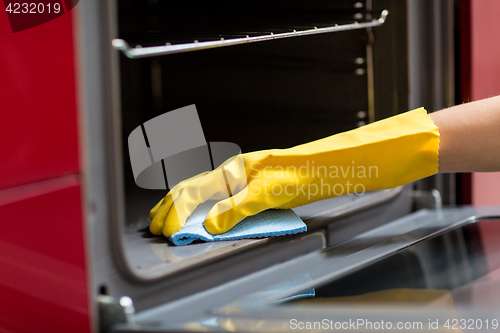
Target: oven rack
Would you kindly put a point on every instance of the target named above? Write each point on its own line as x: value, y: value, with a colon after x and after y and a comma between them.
x: 143, y: 52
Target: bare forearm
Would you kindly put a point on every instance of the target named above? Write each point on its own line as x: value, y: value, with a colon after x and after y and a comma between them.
x: 469, y: 136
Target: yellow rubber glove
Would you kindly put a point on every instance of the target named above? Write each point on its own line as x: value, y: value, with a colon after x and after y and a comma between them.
x: 380, y: 155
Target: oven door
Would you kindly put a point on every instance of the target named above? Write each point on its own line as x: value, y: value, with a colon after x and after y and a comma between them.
x: 432, y: 267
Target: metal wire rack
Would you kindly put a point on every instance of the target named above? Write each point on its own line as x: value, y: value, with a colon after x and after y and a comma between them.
x: 143, y: 52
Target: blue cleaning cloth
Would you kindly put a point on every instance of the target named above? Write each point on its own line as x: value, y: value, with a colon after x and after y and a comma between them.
x: 274, y: 222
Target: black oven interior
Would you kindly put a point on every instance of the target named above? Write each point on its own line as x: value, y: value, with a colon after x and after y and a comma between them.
x: 272, y: 94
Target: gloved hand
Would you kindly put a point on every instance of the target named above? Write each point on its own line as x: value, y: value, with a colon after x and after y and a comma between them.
x: 380, y: 155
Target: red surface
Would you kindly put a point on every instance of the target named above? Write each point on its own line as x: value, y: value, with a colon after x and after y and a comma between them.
x: 27, y: 16
x: 480, y: 78
x: 491, y: 246
x: 42, y: 259
x: 38, y: 106
x: 43, y: 276
x: 486, y: 189
x: 485, y: 82
x: 485, y: 47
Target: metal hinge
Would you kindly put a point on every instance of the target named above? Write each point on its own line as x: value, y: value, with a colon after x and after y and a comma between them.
x: 114, y: 311
x: 428, y: 199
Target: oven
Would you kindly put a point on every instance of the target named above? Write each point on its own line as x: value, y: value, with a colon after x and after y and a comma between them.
x: 263, y: 75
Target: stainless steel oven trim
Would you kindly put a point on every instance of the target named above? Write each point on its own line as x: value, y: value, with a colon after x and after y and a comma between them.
x: 99, y: 103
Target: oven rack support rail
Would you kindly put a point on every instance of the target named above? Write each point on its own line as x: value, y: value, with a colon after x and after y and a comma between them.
x: 143, y: 52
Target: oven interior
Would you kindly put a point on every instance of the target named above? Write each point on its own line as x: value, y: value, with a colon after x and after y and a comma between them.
x: 263, y: 95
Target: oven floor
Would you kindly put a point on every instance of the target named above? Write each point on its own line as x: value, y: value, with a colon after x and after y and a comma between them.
x: 150, y: 255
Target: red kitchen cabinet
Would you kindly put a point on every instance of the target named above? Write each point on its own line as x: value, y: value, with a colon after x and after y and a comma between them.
x: 43, y: 263
x: 43, y: 279
x: 38, y: 102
